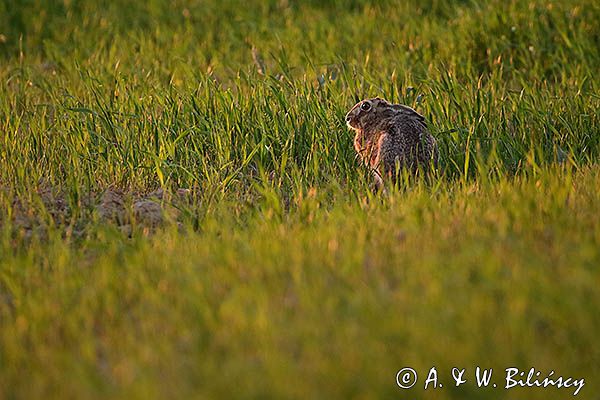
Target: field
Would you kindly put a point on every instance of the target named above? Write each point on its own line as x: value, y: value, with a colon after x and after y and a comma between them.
x: 182, y: 214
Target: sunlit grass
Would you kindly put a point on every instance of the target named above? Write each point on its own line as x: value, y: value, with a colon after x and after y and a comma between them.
x: 281, y: 274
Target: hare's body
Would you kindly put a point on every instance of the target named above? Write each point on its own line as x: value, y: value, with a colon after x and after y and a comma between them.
x: 390, y: 137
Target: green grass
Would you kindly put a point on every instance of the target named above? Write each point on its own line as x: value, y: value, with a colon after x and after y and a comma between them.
x: 282, y: 275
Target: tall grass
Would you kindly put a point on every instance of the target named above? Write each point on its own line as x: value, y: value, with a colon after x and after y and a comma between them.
x: 163, y: 93
x: 283, y: 275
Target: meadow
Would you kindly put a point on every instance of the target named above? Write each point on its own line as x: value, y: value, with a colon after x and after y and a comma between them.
x: 182, y: 214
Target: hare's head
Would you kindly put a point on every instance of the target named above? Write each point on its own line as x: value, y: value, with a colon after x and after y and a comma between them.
x: 371, y: 113
x: 368, y: 112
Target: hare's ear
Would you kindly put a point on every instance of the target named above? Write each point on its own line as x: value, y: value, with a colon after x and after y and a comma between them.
x: 409, y: 111
x: 379, y: 101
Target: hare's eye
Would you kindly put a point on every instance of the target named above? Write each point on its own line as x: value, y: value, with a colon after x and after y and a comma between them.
x: 366, y: 106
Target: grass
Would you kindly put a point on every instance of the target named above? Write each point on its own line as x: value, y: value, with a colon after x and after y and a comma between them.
x: 282, y: 275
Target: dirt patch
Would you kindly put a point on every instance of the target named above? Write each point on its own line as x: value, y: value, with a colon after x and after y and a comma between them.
x: 32, y: 214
